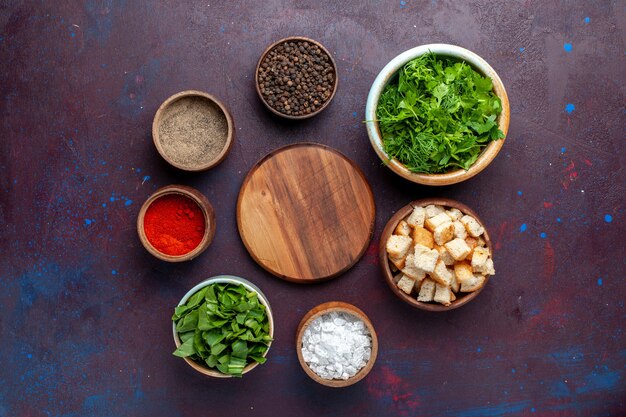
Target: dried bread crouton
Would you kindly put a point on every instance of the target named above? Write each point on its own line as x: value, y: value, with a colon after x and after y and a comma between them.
x: 433, y: 222
x: 474, y: 284
x: 463, y: 272
x: 457, y: 248
x: 398, y: 246
x: 432, y: 210
x: 402, y: 229
x: 487, y: 268
x: 425, y: 258
x: 444, y: 255
x: 473, y: 227
x: 411, y: 270
x: 454, y: 214
x: 443, y: 294
x: 479, y: 257
x: 442, y: 274
x: 459, y: 230
x: 416, y: 218
x: 472, y: 243
x: 422, y: 237
x: 406, y: 284
x: 454, y: 283
x: 427, y: 291
x: 397, y: 278
x: 398, y: 263
x: 443, y: 233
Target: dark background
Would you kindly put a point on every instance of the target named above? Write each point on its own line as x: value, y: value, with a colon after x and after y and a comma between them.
x: 85, y: 309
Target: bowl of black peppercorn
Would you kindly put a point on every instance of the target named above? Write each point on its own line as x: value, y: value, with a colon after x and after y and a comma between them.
x: 296, y: 78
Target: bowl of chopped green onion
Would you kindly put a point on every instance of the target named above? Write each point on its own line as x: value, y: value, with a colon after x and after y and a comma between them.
x: 437, y: 114
x: 223, y: 327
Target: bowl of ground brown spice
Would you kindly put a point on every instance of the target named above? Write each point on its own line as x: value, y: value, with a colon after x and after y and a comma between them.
x: 193, y: 130
x: 296, y: 78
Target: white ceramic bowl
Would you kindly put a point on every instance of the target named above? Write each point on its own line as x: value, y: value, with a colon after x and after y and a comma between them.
x: 387, y: 74
x: 231, y: 279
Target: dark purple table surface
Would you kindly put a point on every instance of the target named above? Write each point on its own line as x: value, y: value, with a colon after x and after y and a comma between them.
x: 85, y: 310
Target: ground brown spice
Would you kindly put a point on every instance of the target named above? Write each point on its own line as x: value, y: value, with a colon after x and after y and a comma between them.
x: 193, y: 131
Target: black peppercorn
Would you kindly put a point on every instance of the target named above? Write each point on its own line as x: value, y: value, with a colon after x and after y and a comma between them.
x: 300, y: 74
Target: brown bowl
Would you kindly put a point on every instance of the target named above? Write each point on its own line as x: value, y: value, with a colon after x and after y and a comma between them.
x: 207, y: 211
x: 178, y: 112
x: 262, y: 58
x: 462, y: 298
x: 340, y: 307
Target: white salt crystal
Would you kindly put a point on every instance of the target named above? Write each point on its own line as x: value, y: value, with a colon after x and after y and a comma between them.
x: 336, y: 345
x: 328, y: 327
x: 339, y: 321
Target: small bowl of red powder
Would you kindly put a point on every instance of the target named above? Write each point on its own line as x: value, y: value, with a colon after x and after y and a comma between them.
x: 176, y: 223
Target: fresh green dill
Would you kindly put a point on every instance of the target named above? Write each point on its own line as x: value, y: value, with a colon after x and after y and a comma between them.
x: 437, y: 115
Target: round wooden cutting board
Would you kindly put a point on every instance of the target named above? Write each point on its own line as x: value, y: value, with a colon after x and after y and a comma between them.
x: 305, y: 213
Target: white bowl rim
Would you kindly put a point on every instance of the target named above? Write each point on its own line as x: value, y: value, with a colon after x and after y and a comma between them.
x: 387, y: 73
x: 230, y: 279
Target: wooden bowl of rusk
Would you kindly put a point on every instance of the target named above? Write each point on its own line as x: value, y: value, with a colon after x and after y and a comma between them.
x: 325, y: 310
x: 391, y: 277
x: 163, y: 218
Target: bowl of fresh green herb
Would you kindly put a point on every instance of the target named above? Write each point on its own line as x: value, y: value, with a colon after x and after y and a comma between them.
x: 437, y: 114
x: 223, y: 327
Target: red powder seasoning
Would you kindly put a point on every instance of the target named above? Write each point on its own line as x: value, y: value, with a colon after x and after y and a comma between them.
x: 174, y: 224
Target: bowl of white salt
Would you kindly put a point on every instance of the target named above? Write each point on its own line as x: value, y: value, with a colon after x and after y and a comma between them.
x: 336, y: 344
x: 193, y: 130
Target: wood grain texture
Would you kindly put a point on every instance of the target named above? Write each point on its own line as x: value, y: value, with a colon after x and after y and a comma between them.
x: 305, y: 213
